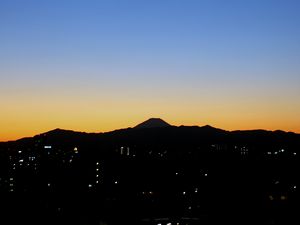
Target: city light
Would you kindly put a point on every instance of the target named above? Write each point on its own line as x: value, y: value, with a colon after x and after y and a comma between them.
x: 283, y: 198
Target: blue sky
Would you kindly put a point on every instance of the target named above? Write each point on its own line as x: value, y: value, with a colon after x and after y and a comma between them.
x: 181, y: 53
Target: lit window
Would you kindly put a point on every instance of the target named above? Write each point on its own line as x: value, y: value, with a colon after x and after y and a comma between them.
x: 282, y: 198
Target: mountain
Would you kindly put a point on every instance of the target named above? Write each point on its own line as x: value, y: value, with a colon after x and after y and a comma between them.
x: 161, y: 133
x: 152, y: 123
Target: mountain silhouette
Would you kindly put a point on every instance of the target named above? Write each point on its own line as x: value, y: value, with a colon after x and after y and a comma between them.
x: 152, y: 123
x: 156, y: 131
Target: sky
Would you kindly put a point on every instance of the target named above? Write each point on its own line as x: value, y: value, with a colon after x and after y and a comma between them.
x: 100, y: 65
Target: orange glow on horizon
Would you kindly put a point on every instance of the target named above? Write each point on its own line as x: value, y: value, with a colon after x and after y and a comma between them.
x: 28, y: 115
x: 14, y: 133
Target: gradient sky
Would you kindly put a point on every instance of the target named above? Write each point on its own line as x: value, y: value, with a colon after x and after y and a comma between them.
x: 102, y: 65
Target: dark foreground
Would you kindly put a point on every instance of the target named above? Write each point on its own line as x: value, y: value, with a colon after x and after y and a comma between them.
x: 167, y: 176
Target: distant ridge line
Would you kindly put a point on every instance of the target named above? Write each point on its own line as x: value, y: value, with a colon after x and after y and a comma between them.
x: 157, y: 123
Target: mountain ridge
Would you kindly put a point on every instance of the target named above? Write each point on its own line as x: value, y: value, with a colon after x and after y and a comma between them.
x: 158, y: 125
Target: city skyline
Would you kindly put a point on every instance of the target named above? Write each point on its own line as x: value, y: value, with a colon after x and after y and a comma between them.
x: 97, y: 66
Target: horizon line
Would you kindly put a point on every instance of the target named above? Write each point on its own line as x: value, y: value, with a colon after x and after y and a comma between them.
x: 133, y: 127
